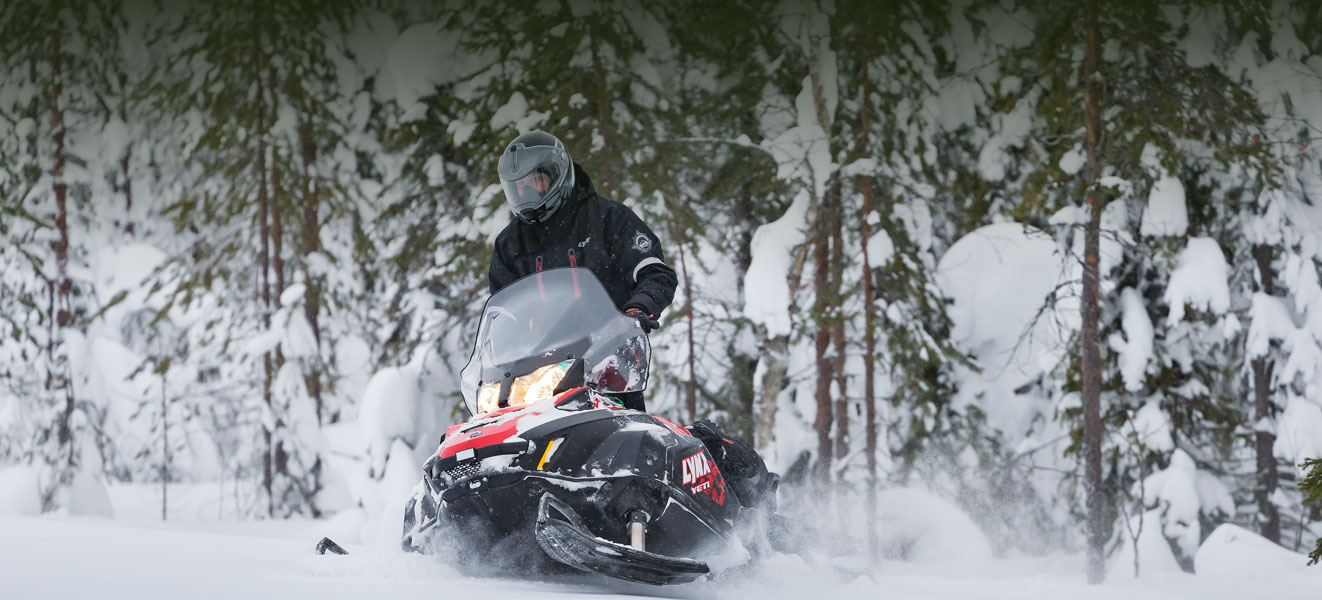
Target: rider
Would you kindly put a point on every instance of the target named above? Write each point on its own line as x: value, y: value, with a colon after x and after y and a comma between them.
x: 561, y: 221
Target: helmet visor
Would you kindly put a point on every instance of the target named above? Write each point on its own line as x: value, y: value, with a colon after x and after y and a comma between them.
x: 530, y: 191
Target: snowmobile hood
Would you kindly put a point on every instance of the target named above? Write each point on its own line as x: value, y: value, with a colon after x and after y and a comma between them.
x: 507, y: 425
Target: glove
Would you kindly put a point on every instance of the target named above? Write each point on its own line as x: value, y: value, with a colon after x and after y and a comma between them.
x: 647, y: 321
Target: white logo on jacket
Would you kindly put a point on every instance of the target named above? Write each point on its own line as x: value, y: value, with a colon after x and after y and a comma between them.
x: 641, y: 242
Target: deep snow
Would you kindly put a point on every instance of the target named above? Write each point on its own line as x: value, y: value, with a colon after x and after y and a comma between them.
x: 61, y: 557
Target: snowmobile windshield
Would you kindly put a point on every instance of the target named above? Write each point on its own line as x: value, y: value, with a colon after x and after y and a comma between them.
x: 531, y: 332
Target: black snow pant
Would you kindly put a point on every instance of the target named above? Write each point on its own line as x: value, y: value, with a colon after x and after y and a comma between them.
x: 741, y: 465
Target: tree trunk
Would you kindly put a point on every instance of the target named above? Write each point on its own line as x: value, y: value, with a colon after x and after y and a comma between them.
x: 264, y: 280
x: 312, y: 295
x: 820, y: 229
x: 605, y: 181
x: 57, y: 377
x: 165, y: 449
x: 822, y: 343
x: 691, y: 386
x: 129, y: 226
x: 838, y: 324
x: 775, y: 354
x: 869, y: 318
x: 744, y: 365
x: 1091, y: 363
x: 1263, y: 409
x: 279, y: 196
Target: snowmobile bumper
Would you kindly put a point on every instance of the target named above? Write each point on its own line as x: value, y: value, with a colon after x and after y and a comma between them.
x: 563, y: 536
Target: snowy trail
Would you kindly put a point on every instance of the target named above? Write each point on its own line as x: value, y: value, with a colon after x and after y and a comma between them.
x: 51, y: 558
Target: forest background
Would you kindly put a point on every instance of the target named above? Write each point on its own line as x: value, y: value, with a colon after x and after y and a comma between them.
x: 243, y: 244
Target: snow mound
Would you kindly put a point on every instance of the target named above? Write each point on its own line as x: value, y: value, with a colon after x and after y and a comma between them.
x: 420, y: 60
x: 86, y: 496
x: 20, y: 492
x: 1154, y: 552
x: 390, y: 411
x: 1232, y: 551
x: 1167, y: 213
x: 1003, y: 271
x: 1072, y: 160
x: 1137, y: 352
x: 1000, y: 279
x: 1299, y: 431
x: 386, y: 511
x: 919, y: 526
x: 767, y: 293
x: 1199, y: 280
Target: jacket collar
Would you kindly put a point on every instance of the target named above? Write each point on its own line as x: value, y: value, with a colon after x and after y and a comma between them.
x: 583, y: 187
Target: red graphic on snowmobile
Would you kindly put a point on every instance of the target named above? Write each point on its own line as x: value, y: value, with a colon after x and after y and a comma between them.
x: 703, y: 477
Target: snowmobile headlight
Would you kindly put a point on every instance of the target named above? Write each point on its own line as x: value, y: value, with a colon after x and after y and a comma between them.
x: 537, y: 385
x: 488, y: 397
x: 526, y: 389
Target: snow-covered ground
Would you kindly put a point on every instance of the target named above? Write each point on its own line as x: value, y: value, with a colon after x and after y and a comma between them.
x: 53, y: 557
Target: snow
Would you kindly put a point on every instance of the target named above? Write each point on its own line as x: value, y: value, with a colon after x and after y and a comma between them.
x: 1269, y: 319
x: 514, y: 110
x: 766, y: 287
x: 1137, y: 352
x: 461, y: 130
x: 299, y: 339
x: 1299, y: 431
x: 1174, y: 492
x: 1007, y: 270
x: 923, y: 527
x: 420, y: 59
x: 125, y: 269
x: 1072, y: 160
x: 1154, y: 554
x: 880, y: 248
x: 20, y: 492
x: 59, y: 558
x: 370, y: 40
x: 1232, y: 552
x: 1071, y: 215
x: 1166, y: 214
x: 1199, y: 280
x: 916, y: 216
x: 435, y: 168
x: 1152, y: 427
x: 389, y: 410
x: 1011, y: 129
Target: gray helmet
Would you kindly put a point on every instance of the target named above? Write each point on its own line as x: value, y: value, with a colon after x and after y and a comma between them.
x: 537, y: 176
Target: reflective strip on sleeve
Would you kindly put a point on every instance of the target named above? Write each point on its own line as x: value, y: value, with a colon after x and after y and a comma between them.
x: 651, y: 260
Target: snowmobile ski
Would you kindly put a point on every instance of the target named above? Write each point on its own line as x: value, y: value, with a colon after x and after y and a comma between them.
x: 328, y: 545
x: 563, y: 536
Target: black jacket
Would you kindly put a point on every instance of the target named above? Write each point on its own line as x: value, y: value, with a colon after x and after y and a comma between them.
x: 594, y: 232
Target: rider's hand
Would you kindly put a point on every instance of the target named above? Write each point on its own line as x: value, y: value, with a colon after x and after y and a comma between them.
x: 647, y: 321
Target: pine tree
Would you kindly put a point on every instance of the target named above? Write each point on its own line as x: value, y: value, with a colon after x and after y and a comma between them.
x: 52, y: 106
x: 269, y: 179
x: 1312, y: 485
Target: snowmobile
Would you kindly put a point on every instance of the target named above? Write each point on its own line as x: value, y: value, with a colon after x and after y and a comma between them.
x: 551, y: 466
